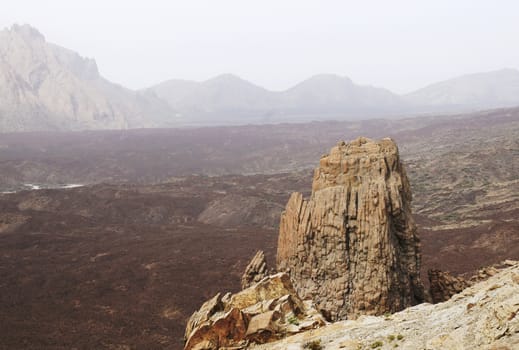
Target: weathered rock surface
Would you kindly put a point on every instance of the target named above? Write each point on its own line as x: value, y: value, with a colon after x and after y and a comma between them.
x: 483, y: 316
x: 353, y: 247
x: 443, y: 285
x: 255, y: 271
x: 264, y: 312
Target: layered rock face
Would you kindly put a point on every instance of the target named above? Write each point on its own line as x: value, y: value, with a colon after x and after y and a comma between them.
x: 353, y: 247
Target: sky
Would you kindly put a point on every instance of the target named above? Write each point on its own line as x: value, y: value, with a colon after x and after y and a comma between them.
x: 401, y: 45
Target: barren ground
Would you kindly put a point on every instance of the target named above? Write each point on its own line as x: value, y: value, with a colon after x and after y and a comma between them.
x: 122, y: 262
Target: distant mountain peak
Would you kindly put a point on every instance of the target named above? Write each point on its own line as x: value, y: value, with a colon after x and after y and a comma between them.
x: 483, y: 90
x: 228, y: 78
x: 320, y: 81
x: 44, y: 86
x: 329, y: 77
x: 231, y: 81
x: 27, y: 31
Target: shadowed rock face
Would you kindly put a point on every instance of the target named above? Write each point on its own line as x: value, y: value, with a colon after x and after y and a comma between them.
x: 443, y: 285
x: 353, y: 247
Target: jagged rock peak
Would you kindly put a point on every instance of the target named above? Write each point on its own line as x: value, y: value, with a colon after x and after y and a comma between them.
x: 27, y: 31
x: 352, y: 246
x: 255, y: 271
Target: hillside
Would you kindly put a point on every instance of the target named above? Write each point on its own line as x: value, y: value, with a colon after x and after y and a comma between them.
x: 473, y: 91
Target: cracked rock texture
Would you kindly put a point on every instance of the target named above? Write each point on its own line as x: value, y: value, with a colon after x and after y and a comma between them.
x: 352, y: 247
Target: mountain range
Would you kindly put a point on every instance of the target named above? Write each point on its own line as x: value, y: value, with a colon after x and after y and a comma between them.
x: 47, y: 87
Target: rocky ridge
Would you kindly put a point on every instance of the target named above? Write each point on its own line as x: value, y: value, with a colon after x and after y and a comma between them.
x: 483, y: 316
x: 353, y: 246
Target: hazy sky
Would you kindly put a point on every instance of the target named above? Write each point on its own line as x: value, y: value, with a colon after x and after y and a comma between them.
x: 400, y: 45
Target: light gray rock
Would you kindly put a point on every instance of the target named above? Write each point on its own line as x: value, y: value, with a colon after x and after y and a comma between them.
x: 483, y: 316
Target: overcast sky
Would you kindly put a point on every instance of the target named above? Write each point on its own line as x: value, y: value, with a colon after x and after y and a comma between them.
x: 400, y: 45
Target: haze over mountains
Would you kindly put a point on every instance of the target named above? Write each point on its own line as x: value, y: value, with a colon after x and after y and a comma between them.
x: 481, y: 90
x: 46, y: 87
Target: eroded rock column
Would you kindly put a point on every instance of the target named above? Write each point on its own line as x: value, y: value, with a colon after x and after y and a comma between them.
x: 352, y: 246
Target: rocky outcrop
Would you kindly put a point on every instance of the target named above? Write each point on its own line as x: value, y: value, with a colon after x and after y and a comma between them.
x: 264, y: 312
x: 255, y: 271
x: 352, y: 247
x: 483, y: 316
x: 442, y: 285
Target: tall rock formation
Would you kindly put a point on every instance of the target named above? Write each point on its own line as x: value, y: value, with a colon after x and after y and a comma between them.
x: 353, y: 246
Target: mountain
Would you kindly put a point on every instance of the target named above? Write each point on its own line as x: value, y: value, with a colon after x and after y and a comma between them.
x: 474, y: 91
x: 230, y: 98
x: 327, y: 96
x: 329, y: 93
x: 46, y: 87
x: 222, y: 99
x: 174, y: 90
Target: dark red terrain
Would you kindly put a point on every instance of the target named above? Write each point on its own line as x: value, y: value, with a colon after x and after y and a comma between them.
x: 122, y: 264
